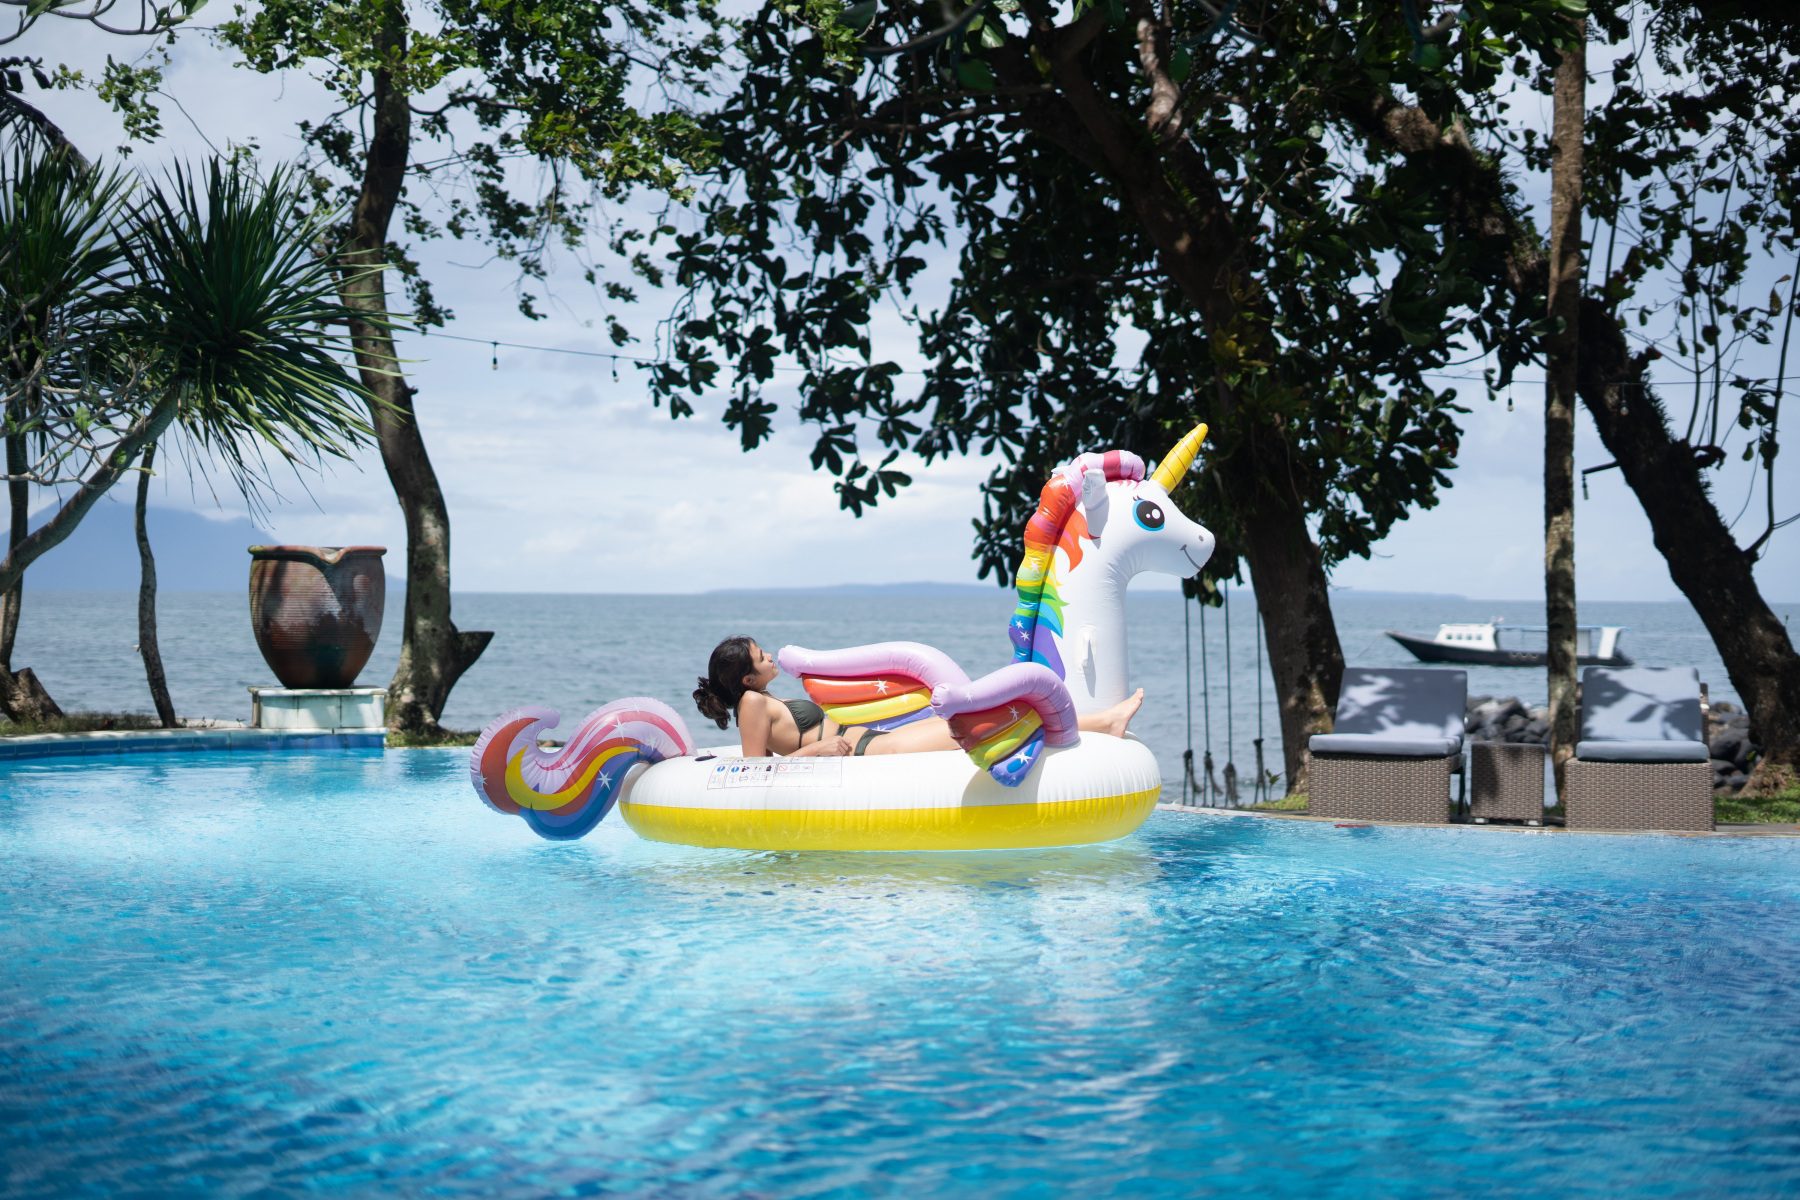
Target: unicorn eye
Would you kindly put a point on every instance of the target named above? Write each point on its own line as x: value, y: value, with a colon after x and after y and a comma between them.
x: 1149, y: 514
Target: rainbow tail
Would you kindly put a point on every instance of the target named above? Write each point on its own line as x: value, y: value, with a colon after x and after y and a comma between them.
x: 1005, y: 719
x: 563, y: 793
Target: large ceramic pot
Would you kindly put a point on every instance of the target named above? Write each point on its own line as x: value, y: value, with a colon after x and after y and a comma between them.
x: 317, y: 611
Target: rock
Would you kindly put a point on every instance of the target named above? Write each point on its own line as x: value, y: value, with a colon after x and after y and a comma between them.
x: 1728, y: 744
x: 1490, y: 714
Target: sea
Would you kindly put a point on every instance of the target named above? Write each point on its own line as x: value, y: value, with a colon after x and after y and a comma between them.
x: 1204, y: 676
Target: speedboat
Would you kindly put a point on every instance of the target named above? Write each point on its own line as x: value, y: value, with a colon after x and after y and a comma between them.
x: 1496, y: 644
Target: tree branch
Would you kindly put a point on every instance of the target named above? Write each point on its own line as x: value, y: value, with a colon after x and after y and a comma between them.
x: 1163, y: 117
x: 15, y: 109
x: 145, y: 430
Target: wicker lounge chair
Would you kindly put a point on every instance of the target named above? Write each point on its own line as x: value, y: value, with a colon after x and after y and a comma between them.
x: 1397, y: 739
x: 1642, y: 759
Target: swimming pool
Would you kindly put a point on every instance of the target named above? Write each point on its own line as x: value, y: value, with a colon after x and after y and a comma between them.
x: 232, y: 974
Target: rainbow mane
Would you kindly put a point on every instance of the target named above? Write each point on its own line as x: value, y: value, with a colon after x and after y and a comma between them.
x: 564, y: 793
x: 1058, y: 523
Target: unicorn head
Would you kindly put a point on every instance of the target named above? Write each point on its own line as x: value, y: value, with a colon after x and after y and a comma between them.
x: 1099, y: 522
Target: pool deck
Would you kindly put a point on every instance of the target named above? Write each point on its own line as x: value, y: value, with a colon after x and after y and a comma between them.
x: 1770, y: 830
x: 154, y: 741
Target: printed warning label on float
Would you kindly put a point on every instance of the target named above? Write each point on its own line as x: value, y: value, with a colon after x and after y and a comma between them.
x: 810, y: 772
x: 789, y: 772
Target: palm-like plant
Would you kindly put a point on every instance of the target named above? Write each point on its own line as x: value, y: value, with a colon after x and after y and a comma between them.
x: 235, y: 314
x: 59, y: 274
x: 207, y: 304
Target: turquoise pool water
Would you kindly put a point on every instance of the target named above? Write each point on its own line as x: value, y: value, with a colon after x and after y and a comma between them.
x: 268, y: 975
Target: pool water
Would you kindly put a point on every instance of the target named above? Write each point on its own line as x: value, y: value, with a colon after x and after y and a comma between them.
x: 268, y: 975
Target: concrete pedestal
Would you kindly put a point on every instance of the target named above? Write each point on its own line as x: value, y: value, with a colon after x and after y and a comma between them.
x: 332, y: 710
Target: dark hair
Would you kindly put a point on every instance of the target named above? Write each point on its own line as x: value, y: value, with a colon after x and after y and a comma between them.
x: 723, y: 684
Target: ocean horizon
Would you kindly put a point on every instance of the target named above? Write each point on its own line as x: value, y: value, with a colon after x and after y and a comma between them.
x: 576, y: 651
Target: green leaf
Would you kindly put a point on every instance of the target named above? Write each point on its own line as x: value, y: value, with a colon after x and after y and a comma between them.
x: 975, y: 74
x: 860, y: 16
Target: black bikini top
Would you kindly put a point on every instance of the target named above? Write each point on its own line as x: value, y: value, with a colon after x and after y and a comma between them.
x: 807, y: 715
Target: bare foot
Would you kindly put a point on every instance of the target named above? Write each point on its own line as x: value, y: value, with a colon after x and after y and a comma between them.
x: 1114, y: 720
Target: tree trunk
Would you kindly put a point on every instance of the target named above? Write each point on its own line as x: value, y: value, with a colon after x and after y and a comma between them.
x: 21, y: 695
x: 153, y: 668
x: 1173, y: 196
x: 1306, y: 661
x: 53, y: 532
x: 1561, y: 353
x: 433, y: 652
x: 19, y: 497
x: 1704, y: 560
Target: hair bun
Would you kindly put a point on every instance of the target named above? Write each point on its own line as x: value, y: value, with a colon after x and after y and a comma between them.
x: 707, y: 700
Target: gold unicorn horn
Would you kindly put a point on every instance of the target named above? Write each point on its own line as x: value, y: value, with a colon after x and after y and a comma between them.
x: 1175, y: 464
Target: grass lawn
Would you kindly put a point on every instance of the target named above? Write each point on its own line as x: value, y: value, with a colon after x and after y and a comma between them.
x: 1782, y: 809
x: 449, y: 737
x: 1294, y: 803
x: 80, y: 722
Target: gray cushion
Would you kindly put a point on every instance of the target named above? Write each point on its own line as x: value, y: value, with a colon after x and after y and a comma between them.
x: 1640, y: 704
x: 1670, y: 750
x: 1382, y: 743
x: 1415, y: 704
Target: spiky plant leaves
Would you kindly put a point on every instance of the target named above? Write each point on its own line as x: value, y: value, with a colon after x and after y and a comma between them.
x: 235, y: 301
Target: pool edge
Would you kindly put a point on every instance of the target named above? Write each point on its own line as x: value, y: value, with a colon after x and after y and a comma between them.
x: 1755, y: 831
x: 167, y: 741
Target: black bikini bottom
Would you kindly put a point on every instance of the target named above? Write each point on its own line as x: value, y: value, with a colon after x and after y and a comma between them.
x: 862, y: 744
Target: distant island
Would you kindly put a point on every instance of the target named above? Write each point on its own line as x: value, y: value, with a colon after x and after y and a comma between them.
x: 194, y: 553
x: 915, y: 588
x: 925, y: 587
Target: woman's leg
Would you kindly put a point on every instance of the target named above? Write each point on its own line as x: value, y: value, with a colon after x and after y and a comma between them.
x: 1113, y: 720
x: 933, y: 733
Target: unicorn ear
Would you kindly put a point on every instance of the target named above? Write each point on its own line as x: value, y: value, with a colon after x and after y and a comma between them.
x: 1093, y: 497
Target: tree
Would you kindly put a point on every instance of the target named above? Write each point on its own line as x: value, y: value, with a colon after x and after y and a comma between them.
x: 148, y: 647
x: 57, y: 228
x: 1562, y: 355
x: 468, y: 90
x: 1710, y: 123
x: 1151, y: 168
x: 203, y: 305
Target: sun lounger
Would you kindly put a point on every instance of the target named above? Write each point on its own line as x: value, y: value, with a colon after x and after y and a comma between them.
x: 1642, y: 759
x: 1397, y: 739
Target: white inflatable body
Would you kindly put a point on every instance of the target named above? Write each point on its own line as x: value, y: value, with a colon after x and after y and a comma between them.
x: 1101, y: 788
x: 1026, y: 774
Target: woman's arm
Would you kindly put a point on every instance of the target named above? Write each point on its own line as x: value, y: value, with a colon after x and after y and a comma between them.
x: 830, y: 746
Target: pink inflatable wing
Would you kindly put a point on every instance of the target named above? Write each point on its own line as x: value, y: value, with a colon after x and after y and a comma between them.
x: 881, y: 686
x: 1005, y: 718
x: 564, y: 793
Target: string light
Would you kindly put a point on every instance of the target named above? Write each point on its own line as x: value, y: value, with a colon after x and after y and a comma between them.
x: 615, y: 359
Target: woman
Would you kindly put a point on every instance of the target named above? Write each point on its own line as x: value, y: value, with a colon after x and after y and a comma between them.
x: 737, y: 682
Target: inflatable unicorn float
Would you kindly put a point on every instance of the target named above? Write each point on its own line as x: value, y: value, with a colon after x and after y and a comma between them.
x: 1026, y: 774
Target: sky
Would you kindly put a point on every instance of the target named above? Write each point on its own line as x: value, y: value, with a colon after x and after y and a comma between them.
x: 561, y: 477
